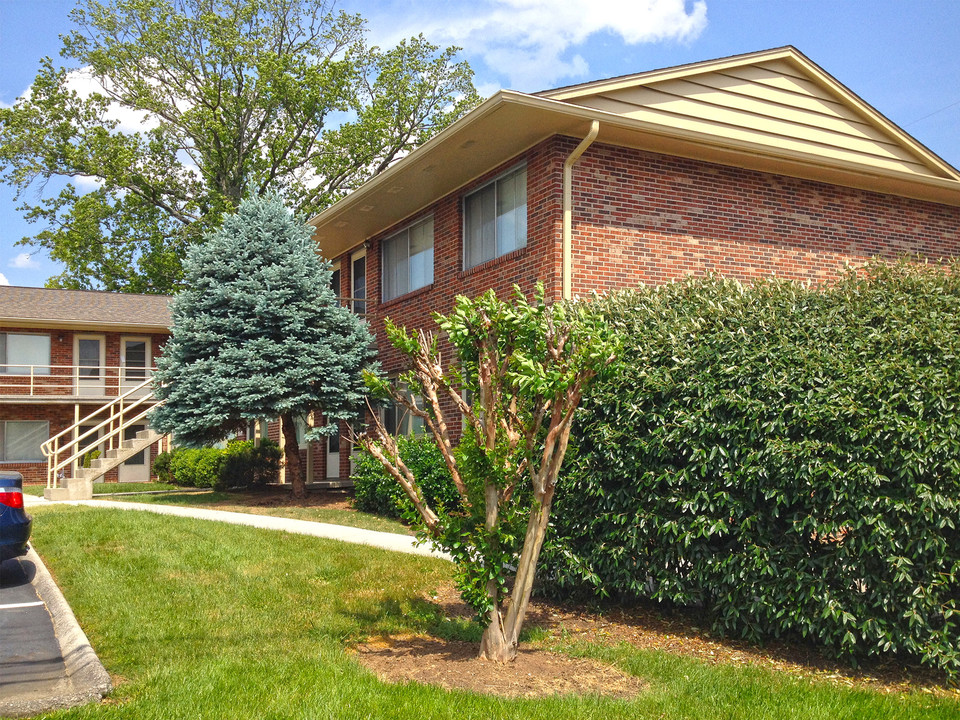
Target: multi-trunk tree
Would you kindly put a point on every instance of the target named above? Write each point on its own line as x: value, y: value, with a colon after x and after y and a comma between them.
x: 259, y: 333
x: 235, y: 96
x: 518, y: 374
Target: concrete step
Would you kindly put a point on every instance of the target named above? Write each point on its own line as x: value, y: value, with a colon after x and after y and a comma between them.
x: 78, y: 488
x: 110, y: 459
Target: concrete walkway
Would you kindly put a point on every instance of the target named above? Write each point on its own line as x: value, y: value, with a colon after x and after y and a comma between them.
x: 386, y: 541
x: 358, y: 536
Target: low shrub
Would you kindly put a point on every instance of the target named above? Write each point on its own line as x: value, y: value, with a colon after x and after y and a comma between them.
x: 197, y: 467
x: 377, y: 492
x: 247, y: 465
x: 239, y: 465
x: 162, y: 468
x: 89, y: 457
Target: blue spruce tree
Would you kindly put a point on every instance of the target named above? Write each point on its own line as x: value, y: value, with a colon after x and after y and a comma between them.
x: 258, y: 333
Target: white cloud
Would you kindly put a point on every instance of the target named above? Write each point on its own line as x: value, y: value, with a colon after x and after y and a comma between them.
x: 85, y: 84
x: 485, y: 90
x: 23, y: 260
x: 3, y: 279
x: 86, y: 183
x: 528, y: 40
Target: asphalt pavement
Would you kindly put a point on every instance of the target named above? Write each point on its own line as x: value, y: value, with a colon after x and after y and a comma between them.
x: 31, y: 664
x: 46, y: 661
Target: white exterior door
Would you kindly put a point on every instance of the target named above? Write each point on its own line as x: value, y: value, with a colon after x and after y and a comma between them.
x: 333, y: 456
x: 89, y: 358
x: 358, y: 281
x: 134, y: 362
x: 135, y: 469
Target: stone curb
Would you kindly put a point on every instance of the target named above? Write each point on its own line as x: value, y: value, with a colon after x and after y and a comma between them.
x: 87, y: 680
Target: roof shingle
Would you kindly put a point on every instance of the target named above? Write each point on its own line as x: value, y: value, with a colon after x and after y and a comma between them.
x: 84, y: 307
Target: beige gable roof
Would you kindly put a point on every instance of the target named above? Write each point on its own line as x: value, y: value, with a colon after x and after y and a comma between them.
x: 773, y: 111
x: 775, y: 99
x: 89, y: 309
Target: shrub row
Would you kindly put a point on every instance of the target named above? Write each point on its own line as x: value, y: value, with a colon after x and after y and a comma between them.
x: 785, y: 458
x: 240, y: 464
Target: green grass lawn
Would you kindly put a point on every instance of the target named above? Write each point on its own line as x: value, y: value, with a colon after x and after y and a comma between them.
x: 238, y: 502
x: 208, y: 620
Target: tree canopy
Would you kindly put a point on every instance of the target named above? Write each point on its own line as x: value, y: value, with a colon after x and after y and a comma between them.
x: 258, y: 333
x: 524, y: 367
x: 235, y: 96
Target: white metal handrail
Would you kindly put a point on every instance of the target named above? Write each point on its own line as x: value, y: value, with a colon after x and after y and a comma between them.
x: 68, y: 380
x: 114, y: 417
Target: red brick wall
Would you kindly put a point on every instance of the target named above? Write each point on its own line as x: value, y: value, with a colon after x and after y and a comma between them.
x: 59, y: 417
x: 640, y: 217
x: 537, y: 261
x: 645, y: 218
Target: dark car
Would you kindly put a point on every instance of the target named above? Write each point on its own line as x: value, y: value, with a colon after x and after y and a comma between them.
x: 14, y: 522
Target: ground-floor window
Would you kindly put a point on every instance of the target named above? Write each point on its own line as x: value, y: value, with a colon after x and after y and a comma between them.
x: 398, y: 420
x: 20, y: 440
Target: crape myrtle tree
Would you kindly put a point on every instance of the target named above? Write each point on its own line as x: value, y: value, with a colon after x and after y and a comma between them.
x: 234, y: 96
x: 519, y: 373
x: 259, y: 333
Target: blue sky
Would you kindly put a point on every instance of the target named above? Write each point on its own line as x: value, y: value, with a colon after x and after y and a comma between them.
x: 901, y: 56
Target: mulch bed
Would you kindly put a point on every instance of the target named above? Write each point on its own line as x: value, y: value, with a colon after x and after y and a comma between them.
x: 538, y: 672
x: 454, y: 664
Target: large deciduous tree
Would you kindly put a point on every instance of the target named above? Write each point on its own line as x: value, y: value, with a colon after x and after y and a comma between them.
x: 234, y: 96
x: 259, y: 333
x: 520, y: 371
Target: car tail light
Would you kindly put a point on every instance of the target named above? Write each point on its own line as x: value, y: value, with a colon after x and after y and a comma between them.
x: 11, y: 498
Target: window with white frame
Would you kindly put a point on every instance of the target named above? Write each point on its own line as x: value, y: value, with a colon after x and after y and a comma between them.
x: 21, y: 353
x: 495, y: 218
x: 408, y: 259
x: 20, y: 440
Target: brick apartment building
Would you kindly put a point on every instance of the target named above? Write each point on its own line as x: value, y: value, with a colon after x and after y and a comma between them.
x: 747, y: 166
x: 65, y: 353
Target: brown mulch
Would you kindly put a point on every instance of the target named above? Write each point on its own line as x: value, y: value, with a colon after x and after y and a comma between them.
x: 454, y: 664
x: 273, y: 497
x: 679, y: 634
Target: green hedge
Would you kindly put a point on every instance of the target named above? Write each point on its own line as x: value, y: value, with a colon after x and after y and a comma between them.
x: 787, y: 459
x: 377, y: 492
x: 240, y: 464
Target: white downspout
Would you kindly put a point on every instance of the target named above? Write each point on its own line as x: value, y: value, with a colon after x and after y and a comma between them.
x: 567, y: 281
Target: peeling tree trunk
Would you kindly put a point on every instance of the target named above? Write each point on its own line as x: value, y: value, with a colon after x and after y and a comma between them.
x: 501, y: 637
x: 291, y: 456
x: 496, y: 643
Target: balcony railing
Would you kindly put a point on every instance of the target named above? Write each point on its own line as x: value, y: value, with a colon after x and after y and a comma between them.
x: 69, y: 381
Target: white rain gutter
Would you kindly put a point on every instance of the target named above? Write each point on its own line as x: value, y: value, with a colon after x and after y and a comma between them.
x: 567, y: 282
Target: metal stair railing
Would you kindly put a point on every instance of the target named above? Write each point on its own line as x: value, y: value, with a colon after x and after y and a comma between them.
x: 66, y: 447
